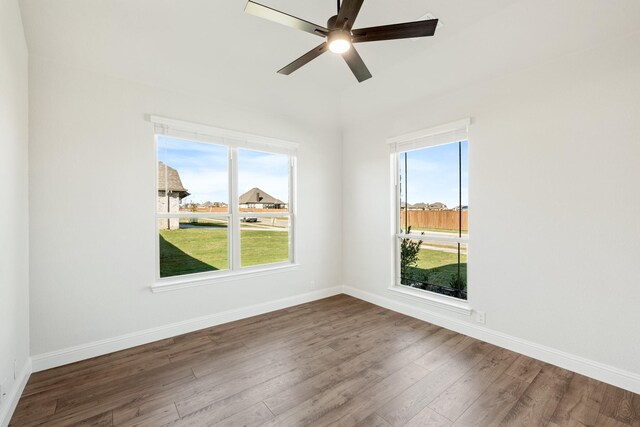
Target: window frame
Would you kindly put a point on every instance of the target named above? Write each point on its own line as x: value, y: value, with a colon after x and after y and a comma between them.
x: 233, y: 141
x: 432, y: 137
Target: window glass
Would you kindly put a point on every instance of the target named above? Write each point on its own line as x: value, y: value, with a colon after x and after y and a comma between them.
x: 433, y: 197
x: 263, y: 181
x: 192, y: 176
x: 199, y: 231
x: 264, y: 240
x: 192, y: 245
x: 434, y: 266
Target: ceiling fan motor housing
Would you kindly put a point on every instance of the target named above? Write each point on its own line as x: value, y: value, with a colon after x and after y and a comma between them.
x: 331, y: 23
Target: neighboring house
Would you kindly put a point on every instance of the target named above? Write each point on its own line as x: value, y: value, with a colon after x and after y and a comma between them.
x: 463, y: 208
x: 208, y: 204
x: 259, y: 199
x: 436, y: 206
x: 419, y: 206
x: 170, y: 193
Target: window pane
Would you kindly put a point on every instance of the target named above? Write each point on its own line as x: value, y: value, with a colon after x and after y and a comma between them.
x: 433, y: 266
x: 263, y: 181
x: 263, y: 240
x: 192, y: 245
x: 433, y: 194
x: 192, y: 176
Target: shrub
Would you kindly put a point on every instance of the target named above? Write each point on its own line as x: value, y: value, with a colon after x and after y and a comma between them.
x: 458, y: 283
x: 408, y: 257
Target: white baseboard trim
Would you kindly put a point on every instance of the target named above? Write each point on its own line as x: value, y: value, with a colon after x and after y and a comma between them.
x: 109, y: 345
x: 10, y: 402
x: 599, y: 371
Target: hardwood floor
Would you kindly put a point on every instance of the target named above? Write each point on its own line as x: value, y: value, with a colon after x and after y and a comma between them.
x: 338, y: 361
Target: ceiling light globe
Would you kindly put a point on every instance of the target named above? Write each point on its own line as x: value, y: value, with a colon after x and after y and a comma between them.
x: 339, y: 41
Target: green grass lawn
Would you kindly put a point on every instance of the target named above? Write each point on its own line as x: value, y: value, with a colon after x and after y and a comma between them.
x: 200, y: 249
x: 440, y: 266
x: 263, y: 247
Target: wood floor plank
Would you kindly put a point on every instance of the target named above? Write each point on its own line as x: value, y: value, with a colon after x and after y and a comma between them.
x: 459, y: 396
x: 327, y: 401
x: 366, y: 403
x: 525, y: 368
x: 34, y: 407
x: 310, y: 363
x: 101, y: 420
x: 580, y: 404
x: 96, y: 363
x: 202, y: 396
x: 604, y: 421
x: 401, y: 358
x: 380, y: 346
x: 494, y: 403
x: 255, y: 415
x: 413, y: 400
x: 429, y: 418
x: 292, y: 380
x: 373, y: 420
x: 118, y: 394
x: 336, y: 361
x: 618, y: 404
x: 538, y: 403
x: 437, y: 357
x: 282, y: 349
x: 145, y: 416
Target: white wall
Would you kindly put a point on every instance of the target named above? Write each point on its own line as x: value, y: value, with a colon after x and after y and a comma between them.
x: 92, y: 261
x: 14, y: 213
x: 554, y: 201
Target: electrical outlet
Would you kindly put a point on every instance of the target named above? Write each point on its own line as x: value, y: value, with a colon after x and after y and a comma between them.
x: 480, y: 317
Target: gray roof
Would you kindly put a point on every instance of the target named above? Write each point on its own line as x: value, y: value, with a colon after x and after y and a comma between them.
x: 169, y: 179
x: 256, y: 195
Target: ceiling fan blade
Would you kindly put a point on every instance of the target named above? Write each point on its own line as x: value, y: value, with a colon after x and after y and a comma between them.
x: 396, y: 31
x: 265, y: 12
x: 304, y: 59
x: 348, y: 12
x: 355, y: 62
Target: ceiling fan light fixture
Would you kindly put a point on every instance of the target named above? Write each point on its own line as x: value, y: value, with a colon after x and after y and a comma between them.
x: 339, y: 41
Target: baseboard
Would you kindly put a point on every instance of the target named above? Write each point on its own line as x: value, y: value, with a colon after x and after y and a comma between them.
x: 599, y: 371
x: 10, y: 402
x: 97, y: 348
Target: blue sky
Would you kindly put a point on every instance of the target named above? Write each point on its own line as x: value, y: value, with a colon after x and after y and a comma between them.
x: 204, y: 172
x: 433, y: 175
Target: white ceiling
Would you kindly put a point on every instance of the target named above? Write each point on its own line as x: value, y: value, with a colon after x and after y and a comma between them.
x: 212, y: 47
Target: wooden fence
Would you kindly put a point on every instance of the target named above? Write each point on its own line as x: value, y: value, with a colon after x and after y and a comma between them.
x: 439, y: 220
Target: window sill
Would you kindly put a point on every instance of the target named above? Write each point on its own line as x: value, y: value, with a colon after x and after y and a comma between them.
x: 440, y: 301
x: 172, y: 284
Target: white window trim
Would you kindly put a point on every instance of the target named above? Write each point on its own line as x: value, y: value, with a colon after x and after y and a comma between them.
x: 233, y: 140
x: 430, y: 137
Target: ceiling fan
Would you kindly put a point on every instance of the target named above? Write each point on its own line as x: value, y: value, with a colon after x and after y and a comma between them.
x: 340, y: 36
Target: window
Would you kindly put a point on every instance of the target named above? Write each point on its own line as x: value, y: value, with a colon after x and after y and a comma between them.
x: 225, y: 202
x: 432, y: 206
